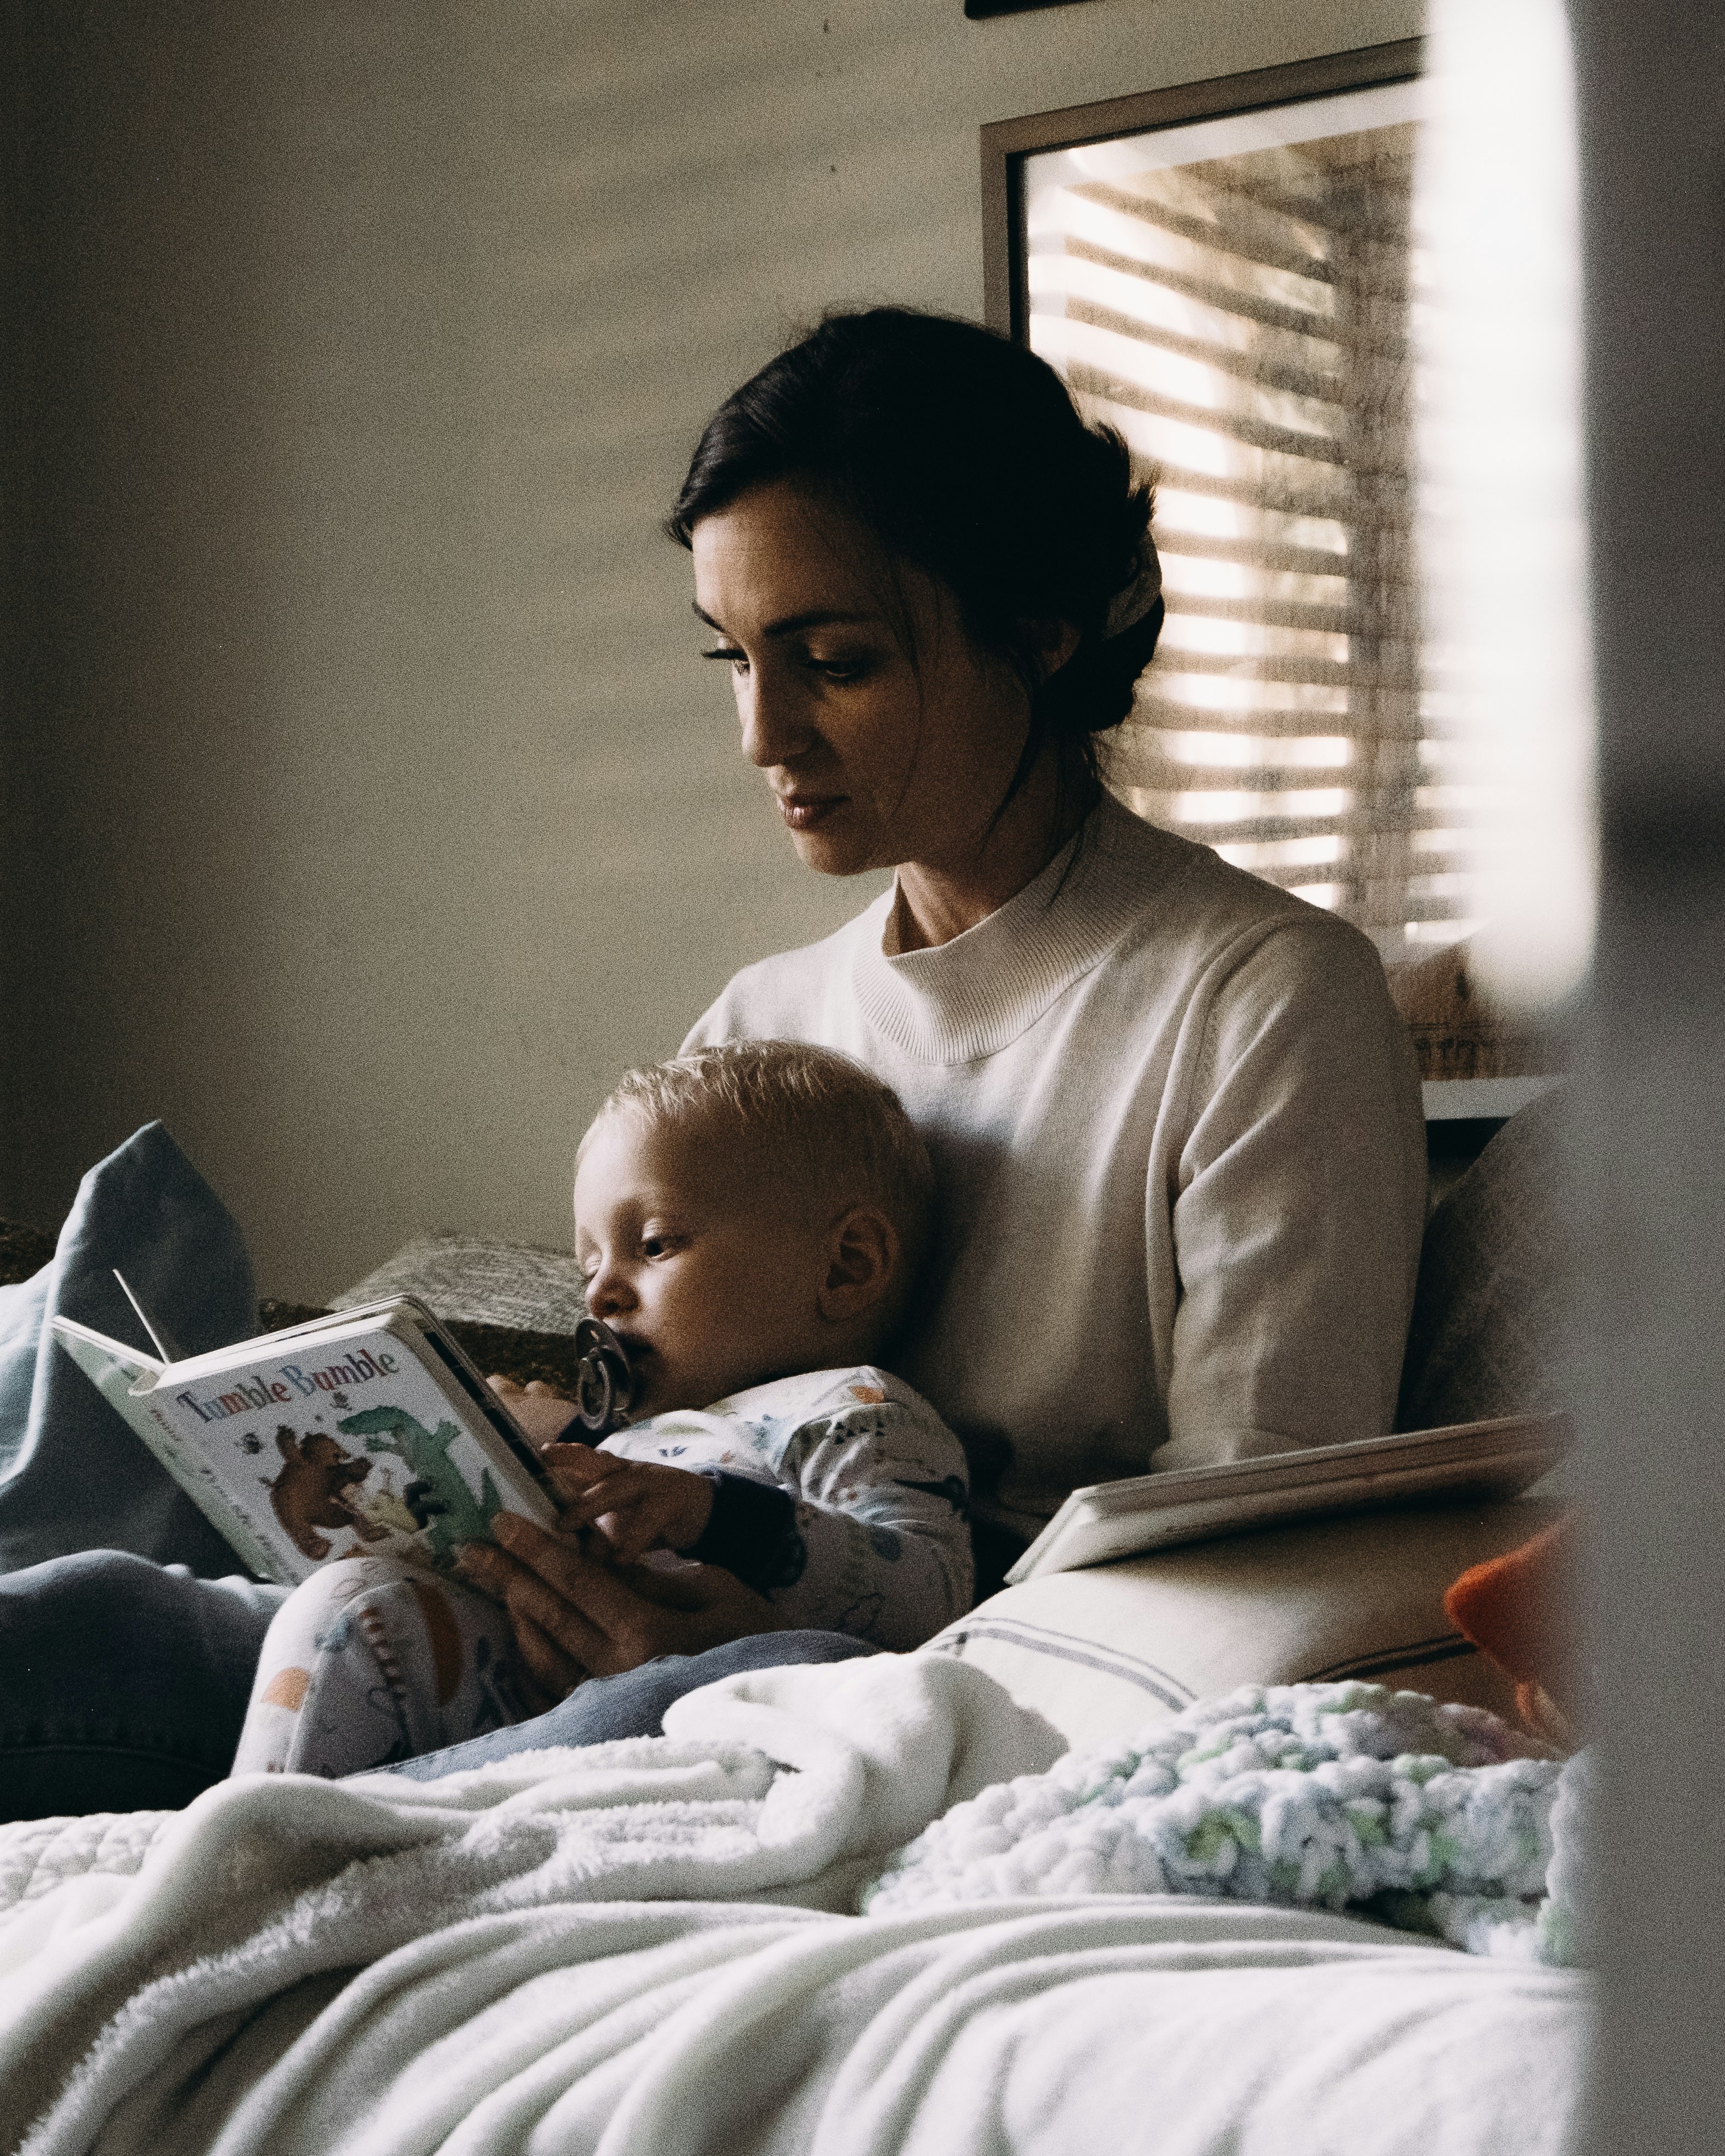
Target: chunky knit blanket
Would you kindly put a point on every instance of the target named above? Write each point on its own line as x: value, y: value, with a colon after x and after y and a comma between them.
x: 1434, y: 1818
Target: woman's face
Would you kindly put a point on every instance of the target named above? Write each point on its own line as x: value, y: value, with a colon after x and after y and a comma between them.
x: 874, y: 761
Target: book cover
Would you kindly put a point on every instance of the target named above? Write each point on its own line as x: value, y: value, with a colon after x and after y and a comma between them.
x: 1140, y: 1513
x: 366, y: 1432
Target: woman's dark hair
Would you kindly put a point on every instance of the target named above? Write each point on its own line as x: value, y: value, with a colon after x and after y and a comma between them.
x: 962, y: 453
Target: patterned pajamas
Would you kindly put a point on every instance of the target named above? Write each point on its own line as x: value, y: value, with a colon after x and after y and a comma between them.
x: 370, y: 1661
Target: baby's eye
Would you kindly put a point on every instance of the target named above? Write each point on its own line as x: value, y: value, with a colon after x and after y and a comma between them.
x: 657, y: 1246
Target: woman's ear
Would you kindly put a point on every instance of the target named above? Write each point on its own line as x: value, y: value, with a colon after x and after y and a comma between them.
x: 862, y: 1252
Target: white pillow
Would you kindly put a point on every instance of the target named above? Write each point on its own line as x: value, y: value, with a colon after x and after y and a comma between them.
x: 1106, y: 1652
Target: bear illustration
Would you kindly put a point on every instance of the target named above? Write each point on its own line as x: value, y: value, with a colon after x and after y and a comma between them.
x: 310, y: 1491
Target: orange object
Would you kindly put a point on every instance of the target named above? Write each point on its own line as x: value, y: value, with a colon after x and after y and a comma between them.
x: 1518, y: 1609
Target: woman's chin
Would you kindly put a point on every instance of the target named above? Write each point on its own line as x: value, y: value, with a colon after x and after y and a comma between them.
x: 838, y: 848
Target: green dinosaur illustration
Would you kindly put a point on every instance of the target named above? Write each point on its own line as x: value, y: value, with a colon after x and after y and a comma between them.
x: 438, y: 1494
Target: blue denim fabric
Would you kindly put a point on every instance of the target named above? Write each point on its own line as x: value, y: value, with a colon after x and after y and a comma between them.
x: 122, y: 1685
x: 72, y: 1476
x: 634, y: 1704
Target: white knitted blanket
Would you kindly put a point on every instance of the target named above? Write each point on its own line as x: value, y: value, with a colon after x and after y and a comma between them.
x: 1439, y: 1818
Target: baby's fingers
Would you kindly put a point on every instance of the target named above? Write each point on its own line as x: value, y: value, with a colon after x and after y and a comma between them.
x: 628, y: 1506
x: 628, y: 1533
x: 616, y: 1494
x: 584, y: 1507
x: 573, y: 1467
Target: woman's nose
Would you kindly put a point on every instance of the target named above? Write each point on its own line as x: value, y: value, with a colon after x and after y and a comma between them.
x: 775, y: 729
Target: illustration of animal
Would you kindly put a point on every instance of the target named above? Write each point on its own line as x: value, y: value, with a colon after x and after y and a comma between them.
x: 310, y: 1491
x: 439, y: 1493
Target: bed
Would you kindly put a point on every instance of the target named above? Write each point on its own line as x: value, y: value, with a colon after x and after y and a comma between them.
x: 659, y: 1947
x: 650, y: 1947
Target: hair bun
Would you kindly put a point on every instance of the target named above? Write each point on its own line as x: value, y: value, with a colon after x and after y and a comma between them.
x: 1095, y: 689
x: 1133, y: 601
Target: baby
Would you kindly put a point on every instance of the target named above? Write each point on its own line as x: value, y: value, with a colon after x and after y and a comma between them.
x: 751, y: 1221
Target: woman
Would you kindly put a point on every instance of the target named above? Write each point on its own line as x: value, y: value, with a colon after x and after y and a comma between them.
x: 1174, y: 1116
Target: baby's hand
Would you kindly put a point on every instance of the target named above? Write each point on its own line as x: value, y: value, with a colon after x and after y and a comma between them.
x: 543, y: 1413
x: 637, y: 1505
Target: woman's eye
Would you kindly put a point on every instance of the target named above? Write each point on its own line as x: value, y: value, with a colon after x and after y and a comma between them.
x: 839, y: 670
x: 737, y: 661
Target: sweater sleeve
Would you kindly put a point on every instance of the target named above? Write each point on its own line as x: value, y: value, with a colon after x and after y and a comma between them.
x: 1298, y: 1204
x: 880, y: 1498
x: 752, y: 1531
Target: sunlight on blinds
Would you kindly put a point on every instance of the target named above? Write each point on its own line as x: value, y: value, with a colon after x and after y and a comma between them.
x: 1234, y: 297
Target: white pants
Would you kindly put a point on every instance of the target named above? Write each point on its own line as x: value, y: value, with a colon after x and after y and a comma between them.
x: 370, y: 1661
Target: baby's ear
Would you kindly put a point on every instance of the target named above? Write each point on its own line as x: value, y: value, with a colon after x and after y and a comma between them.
x: 862, y: 1260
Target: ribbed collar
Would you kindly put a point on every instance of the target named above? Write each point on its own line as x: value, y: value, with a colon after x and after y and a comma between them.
x: 973, y: 996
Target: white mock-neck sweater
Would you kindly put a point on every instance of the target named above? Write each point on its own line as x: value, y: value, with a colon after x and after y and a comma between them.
x: 1175, y: 1130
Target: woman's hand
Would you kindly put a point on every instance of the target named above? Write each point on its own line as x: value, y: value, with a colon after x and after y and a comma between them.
x: 637, y: 1505
x: 575, y: 1617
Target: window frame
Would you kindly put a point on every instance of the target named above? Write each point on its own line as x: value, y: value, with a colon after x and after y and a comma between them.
x: 1006, y: 144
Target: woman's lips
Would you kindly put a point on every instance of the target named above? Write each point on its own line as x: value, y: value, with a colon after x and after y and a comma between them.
x: 803, y: 811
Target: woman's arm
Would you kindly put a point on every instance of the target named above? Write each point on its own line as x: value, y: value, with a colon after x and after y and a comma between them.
x: 1298, y: 1205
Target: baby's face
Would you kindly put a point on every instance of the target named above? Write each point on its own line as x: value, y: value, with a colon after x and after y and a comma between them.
x: 711, y: 1284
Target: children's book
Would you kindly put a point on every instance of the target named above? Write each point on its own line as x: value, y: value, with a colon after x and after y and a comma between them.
x: 366, y: 1432
x: 1141, y: 1513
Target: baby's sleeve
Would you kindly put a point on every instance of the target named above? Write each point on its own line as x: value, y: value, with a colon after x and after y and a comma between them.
x: 881, y: 1503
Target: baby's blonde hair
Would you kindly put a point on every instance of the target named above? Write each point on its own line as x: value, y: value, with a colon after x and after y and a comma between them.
x: 817, y: 1120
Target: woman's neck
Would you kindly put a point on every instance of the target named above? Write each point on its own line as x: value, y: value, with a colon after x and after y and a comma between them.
x: 939, y: 899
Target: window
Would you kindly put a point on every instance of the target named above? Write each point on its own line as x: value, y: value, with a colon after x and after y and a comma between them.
x: 1234, y: 290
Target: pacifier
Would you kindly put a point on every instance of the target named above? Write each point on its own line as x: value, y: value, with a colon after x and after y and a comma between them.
x: 604, y: 1383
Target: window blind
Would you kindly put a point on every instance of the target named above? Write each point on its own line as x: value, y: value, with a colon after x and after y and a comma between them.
x: 1245, y: 321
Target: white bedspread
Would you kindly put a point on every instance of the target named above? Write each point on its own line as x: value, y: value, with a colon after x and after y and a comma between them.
x: 637, y: 1947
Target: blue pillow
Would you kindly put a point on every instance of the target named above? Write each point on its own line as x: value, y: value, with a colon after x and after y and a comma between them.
x: 72, y: 1476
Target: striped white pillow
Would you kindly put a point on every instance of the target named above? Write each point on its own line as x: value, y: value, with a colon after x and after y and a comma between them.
x: 1106, y: 1652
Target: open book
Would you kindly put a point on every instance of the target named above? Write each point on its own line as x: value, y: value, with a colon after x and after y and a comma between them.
x: 1144, y: 1512
x: 367, y: 1431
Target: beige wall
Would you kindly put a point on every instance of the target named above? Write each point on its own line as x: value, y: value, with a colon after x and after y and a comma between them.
x: 385, y: 813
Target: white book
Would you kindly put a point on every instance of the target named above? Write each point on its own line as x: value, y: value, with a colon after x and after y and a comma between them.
x: 1141, y: 1513
x: 366, y: 1432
